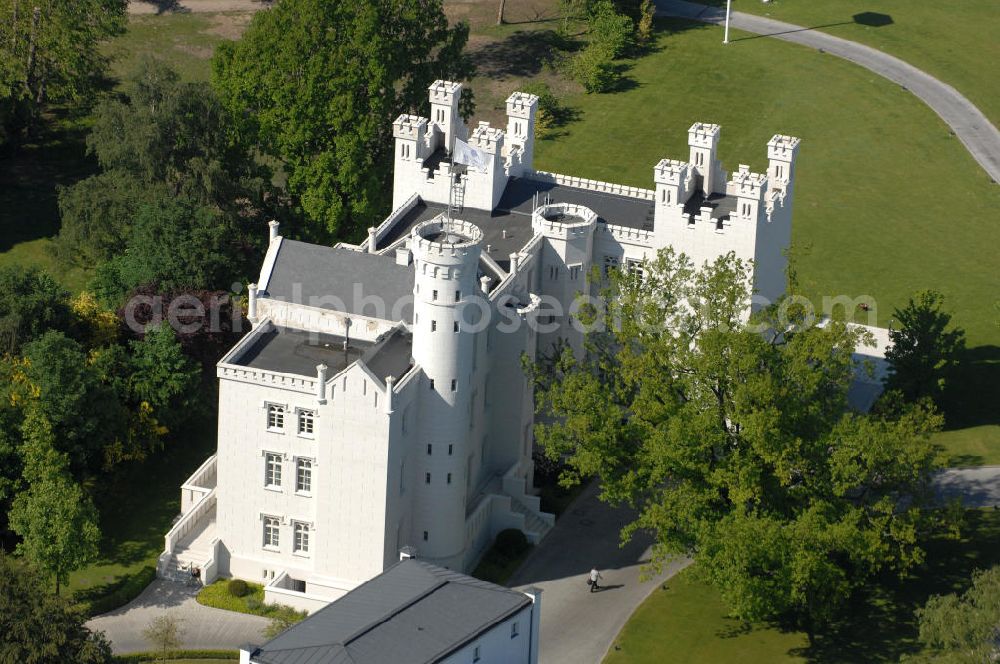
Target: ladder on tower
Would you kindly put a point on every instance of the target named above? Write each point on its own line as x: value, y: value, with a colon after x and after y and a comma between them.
x: 458, y: 193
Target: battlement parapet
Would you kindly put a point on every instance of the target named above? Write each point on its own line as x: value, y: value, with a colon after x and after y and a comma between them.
x: 671, y: 171
x: 412, y: 127
x: 745, y: 183
x: 704, y: 135
x: 441, y: 238
x: 628, y: 235
x: 563, y: 220
x: 445, y: 92
x: 593, y: 185
x: 783, y: 147
x: 487, y: 138
x: 522, y: 105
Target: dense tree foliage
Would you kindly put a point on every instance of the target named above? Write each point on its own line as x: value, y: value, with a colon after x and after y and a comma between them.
x: 39, y: 627
x: 55, y: 519
x: 737, y: 446
x: 318, y: 85
x: 31, y: 302
x: 49, y: 52
x: 924, y: 348
x: 178, y: 202
x: 963, y: 629
x: 163, y: 376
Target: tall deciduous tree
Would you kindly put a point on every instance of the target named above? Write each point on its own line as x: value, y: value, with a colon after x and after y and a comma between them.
x: 39, y: 627
x: 318, y: 84
x: 925, y: 347
x: 31, y: 302
x: 56, y: 520
x: 49, y: 51
x: 737, y: 446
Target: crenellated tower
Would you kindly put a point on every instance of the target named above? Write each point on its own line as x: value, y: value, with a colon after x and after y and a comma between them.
x: 446, y: 256
x: 444, y: 98
x: 703, y: 141
x: 521, y: 111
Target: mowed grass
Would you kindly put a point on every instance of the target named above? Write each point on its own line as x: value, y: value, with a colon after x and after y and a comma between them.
x: 953, y: 41
x: 887, y: 201
x: 687, y: 622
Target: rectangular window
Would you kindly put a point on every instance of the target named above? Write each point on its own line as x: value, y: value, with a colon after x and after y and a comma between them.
x: 475, y: 654
x: 610, y: 263
x: 272, y: 470
x: 271, y: 526
x: 633, y: 266
x: 301, y: 541
x: 458, y: 295
x: 449, y: 478
x: 306, y: 422
x: 430, y: 449
x: 304, y: 475
x: 427, y: 478
x: 425, y: 535
x: 432, y: 383
x: 455, y: 326
x: 450, y: 449
x: 434, y: 326
x: 434, y: 295
x: 513, y: 630
x: 574, y: 272
x: 553, y: 272
x: 275, y: 416
x: 454, y: 384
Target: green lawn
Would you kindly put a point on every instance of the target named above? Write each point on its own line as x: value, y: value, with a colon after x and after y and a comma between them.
x: 953, y: 41
x: 886, y: 199
x: 687, y: 623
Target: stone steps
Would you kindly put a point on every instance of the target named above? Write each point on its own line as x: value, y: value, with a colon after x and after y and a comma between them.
x: 535, y: 527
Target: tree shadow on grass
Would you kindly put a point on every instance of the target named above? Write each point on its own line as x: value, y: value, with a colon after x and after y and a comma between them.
x: 30, y: 174
x: 972, y: 392
x: 523, y: 54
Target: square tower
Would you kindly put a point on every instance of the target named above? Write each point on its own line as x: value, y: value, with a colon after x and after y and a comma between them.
x: 781, y: 153
x: 703, y: 139
x: 444, y: 98
x: 521, y: 111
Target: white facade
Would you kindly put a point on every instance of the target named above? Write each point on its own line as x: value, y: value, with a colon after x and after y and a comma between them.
x: 414, y: 432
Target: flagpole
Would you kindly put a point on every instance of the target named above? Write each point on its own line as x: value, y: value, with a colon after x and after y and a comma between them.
x: 729, y: 7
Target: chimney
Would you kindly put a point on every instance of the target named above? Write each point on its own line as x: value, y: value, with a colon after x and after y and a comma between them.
x: 513, y: 262
x: 389, y: 382
x: 484, y: 283
x: 321, y: 370
x: 252, y: 302
x: 403, y: 256
x: 372, y: 242
x: 273, y: 225
x: 407, y: 552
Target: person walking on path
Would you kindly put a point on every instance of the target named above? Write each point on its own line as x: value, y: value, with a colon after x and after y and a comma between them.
x: 594, y: 577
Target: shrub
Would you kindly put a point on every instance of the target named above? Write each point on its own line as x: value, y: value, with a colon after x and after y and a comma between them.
x: 175, y: 654
x: 550, y: 112
x: 254, y: 605
x: 644, y: 30
x: 594, y: 69
x: 511, y: 543
x: 238, y: 588
x: 610, y: 31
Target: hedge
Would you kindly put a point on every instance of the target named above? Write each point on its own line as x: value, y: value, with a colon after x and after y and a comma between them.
x: 175, y: 654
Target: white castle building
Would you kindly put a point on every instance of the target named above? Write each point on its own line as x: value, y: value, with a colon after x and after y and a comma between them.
x: 379, y: 405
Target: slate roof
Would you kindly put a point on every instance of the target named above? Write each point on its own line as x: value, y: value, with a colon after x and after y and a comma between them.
x: 413, y: 613
x: 341, y: 279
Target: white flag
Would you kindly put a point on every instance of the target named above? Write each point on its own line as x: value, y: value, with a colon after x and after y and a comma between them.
x: 470, y: 156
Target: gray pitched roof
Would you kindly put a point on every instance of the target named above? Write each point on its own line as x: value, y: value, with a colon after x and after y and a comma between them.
x: 413, y: 613
x: 342, y: 279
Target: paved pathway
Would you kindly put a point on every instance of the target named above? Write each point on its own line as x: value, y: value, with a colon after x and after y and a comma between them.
x: 978, y: 135
x: 977, y: 487
x: 201, y: 626
x: 579, y: 627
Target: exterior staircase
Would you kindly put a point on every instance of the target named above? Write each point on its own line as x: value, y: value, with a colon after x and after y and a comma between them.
x: 536, y: 526
x: 192, y: 543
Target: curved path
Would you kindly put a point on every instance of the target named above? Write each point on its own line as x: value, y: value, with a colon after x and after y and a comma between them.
x: 979, y: 136
x: 202, y: 627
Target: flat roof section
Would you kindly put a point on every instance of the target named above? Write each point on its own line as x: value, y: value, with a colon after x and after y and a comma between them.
x: 293, y: 351
x: 722, y: 205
